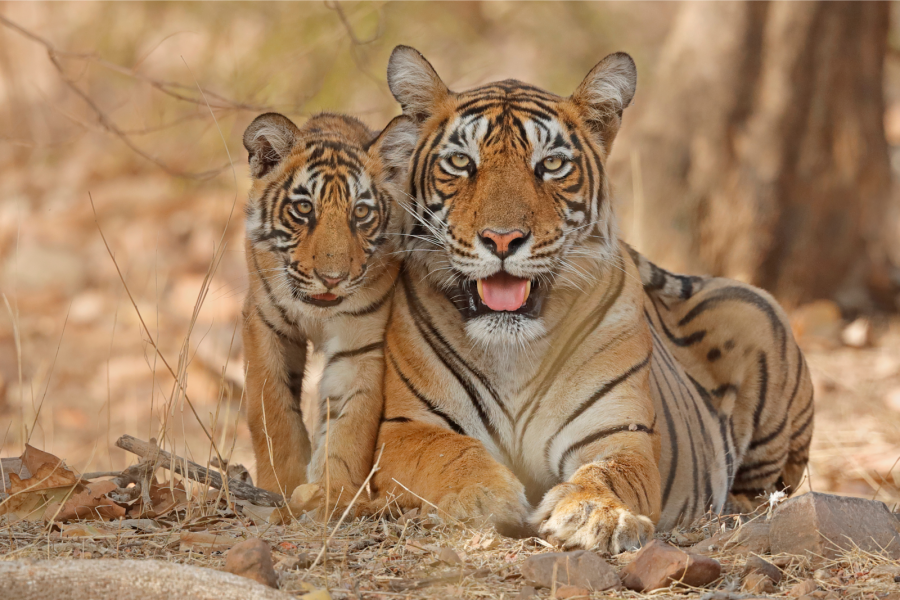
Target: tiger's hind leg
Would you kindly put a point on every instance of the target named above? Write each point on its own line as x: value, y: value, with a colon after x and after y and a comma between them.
x: 424, y: 465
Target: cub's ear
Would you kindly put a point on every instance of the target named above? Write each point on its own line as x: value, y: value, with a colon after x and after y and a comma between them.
x: 395, y: 145
x: 269, y: 139
x: 414, y: 83
x: 606, y: 91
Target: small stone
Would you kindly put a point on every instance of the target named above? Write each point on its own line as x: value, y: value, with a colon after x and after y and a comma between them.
x: 660, y: 565
x: 252, y: 559
x: 758, y: 583
x: 804, y: 588
x: 885, y: 572
x: 581, y: 569
x: 783, y: 562
x: 449, y: 556
x: 755, y: 564
x: 572, y: 591
x: 821, y: 525
x: 857, y: 334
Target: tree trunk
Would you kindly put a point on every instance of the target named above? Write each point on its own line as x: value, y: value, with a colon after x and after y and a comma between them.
x: 762, y: 147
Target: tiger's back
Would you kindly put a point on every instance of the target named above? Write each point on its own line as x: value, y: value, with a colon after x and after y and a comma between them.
x: 727, y: 366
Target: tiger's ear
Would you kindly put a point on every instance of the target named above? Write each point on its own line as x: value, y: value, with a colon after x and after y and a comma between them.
x: 269, y: 139
x: 414, y: 83
x: 395, y: 145
x: 606, y: 91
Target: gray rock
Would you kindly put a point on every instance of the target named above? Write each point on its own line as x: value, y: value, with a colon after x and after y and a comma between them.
x: 755, y: 564
x: 581, y: 569
x: 822, y: 525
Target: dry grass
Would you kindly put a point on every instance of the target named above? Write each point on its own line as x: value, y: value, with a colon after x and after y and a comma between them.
x: 386, y: 558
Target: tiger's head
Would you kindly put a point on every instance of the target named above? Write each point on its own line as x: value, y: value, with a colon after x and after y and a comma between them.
x: 509, y: 188
x: 322, y: 212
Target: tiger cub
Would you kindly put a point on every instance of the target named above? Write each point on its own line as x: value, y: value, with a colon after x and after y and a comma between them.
x: 321, y: 233
x: 533, y: 360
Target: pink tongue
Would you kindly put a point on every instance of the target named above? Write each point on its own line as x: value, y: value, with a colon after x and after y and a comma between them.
x: 503, y: 291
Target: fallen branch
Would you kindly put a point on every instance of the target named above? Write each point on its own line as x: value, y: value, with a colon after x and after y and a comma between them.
x: 193, y: 471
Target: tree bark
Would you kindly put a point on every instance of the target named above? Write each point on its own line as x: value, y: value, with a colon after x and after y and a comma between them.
x: 762, y: 147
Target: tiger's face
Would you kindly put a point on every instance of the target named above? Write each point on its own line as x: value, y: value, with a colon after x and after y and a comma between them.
x: 510, y: 192
x: 321, y: 207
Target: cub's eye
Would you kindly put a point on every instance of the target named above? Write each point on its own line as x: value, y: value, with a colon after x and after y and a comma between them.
x: 553, y: 163
x: 302, y: 208
x: 361, y: 211
x: 460, y: 161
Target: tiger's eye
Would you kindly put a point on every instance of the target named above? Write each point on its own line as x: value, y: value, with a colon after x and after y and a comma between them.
x: 304, y: 207
x: 460, y: 161
x: 552, y: 163
x: 361, y: 211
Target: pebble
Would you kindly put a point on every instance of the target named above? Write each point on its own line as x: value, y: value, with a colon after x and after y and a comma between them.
x: 252, y: 559
x: 659, y: 565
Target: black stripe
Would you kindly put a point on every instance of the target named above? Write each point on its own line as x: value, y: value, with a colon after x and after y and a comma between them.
x: 355, y: 352
x: 787, y: 413
x: 431, y: 406
x: 603, y: 391
x: 368, y: 310
x: 634, y: 428
x: 673, y: 439
x: 740, y: 294
x: 446, y: 354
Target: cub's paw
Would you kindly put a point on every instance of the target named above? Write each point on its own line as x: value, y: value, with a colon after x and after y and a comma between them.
x: 574, y: 516
x: 502, y: 503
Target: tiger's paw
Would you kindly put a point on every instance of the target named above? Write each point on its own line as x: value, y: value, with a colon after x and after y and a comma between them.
x: 574, y: 516
x: 504, y: 505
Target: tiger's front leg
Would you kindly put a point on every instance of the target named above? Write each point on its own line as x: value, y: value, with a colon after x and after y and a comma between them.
x: 424, y: 466
x: 611, y: 501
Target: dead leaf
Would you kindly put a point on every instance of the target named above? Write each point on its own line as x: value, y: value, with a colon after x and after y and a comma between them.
x: 42, y: 482
x: 205, y: 543
x: 84, y: 530
x: 91, y: 503
x: 304, y: 498
x: 45, y: 472
x: 260, y: 515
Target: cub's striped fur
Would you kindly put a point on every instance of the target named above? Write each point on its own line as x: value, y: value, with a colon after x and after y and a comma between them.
x: 527, y: 363
x: 322, y: 223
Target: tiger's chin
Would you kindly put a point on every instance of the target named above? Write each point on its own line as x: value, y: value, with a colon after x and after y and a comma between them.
x: 505, y: 329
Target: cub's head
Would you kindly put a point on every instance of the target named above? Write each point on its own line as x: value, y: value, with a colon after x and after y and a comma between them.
x: 322, y: 212
x: 509, y: 188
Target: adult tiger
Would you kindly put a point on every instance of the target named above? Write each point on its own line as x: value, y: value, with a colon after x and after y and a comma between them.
x: 322, y: 226
x: 525, y: 359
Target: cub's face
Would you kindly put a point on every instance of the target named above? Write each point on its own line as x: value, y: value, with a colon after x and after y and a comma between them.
x: 321, y: 209
x: 510, y: 191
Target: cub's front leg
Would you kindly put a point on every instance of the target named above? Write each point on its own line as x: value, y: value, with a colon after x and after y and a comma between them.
x: 351, y: 397
x: 275, y: 363
x: 611, y: 498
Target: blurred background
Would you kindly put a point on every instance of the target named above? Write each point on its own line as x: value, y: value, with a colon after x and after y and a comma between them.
x: 763, y: 144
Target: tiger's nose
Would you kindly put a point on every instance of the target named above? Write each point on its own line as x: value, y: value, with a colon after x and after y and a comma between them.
x: 330, y: 280
x: 503, y: 244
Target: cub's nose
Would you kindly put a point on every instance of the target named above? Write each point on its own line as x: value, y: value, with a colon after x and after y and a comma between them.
x: 503, y: 243
x: 330, y: 280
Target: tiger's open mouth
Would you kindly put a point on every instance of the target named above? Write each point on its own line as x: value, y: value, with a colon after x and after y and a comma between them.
x: 326, y: 299
x: 501, y: 292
